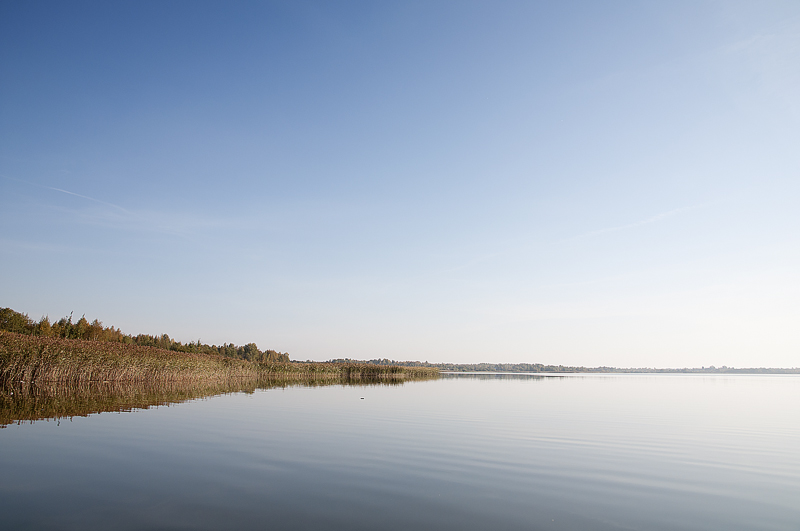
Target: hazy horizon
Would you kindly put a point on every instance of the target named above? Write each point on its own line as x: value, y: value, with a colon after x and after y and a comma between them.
x: 572, y: 183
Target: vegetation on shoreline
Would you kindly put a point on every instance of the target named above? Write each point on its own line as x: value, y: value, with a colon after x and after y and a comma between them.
x: 71, y: 353
x: 86, y: 351
x: 47, y: 360
x: 64, y: 328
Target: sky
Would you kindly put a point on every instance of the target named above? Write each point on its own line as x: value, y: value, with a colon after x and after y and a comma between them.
x: 576, y: 183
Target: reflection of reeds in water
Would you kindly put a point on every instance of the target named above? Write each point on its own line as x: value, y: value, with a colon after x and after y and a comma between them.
x: 33, y: 402
x: 27, y: 403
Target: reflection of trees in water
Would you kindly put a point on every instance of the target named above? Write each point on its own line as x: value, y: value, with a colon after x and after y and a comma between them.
x: 500, y: 376
x: 27, y: 403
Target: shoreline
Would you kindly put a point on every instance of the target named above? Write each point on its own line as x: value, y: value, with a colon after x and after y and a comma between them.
x: 35, y: 360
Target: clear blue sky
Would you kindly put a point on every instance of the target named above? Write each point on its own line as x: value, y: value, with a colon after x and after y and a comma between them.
x: 590, y: 183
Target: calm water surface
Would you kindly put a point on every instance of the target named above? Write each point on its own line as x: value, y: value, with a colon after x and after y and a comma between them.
x: 643, y: 452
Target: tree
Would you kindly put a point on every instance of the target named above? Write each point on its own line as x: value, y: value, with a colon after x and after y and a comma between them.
x: 43, y: 327
x: 12, y: 321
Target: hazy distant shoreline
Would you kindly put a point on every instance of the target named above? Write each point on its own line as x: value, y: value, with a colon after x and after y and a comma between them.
x: 538, y: 368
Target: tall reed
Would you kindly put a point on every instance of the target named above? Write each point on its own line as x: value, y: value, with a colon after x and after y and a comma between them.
x: 33, y: 359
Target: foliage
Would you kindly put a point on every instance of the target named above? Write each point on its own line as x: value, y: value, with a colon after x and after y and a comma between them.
x: 76, y: 353
x: 64, y: 328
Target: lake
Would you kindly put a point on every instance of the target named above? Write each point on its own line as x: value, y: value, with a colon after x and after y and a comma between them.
x: 467, y: 451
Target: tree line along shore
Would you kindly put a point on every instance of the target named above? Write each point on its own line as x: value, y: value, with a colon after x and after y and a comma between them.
x: 82, y: 351
x: 73, y: 353
x: 65, y: 328
x: 546, y: 369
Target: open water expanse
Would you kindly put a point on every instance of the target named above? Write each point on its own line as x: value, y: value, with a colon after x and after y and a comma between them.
x: 464, y: 452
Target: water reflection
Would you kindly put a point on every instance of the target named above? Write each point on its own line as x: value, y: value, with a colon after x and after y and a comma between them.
x: 29, y: 403
x: 467, y: 452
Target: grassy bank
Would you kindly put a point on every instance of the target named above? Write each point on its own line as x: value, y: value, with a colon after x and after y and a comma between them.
x: 46, y: 360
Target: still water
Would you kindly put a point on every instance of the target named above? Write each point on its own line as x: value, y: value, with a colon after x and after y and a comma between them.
x: 464, y: 452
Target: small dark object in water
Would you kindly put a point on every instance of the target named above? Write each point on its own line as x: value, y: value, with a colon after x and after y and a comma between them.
x: 362, y: 398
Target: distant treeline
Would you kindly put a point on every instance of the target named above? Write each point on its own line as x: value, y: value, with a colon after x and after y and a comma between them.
x: 483, y: 367
x: 541, y: 368
x: 20, y: 323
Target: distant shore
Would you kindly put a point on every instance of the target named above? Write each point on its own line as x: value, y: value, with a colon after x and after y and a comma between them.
x: 562, y: 369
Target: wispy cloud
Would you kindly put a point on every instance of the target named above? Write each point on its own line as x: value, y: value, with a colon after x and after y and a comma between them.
x: 647, y: 221
x: 65, y: 192
x: 114, y: 216
x: 524, y: 243
x: 653, y: 219
x: 84, y: 197
x: 175, y: 223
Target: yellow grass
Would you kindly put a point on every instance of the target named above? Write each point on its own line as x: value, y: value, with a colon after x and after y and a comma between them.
x: 44, y: 360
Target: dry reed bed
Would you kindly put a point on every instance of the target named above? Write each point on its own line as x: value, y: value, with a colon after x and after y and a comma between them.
x: 40, y: 360
x: 355, y: 371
